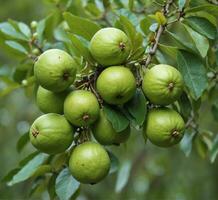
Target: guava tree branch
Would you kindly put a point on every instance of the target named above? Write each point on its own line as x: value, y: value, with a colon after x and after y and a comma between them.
x: 159, y: 32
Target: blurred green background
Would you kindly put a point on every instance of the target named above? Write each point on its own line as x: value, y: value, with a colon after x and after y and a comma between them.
x: 157, y: 173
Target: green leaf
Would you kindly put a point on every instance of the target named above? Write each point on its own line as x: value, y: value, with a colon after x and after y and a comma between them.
x: 194, y: 73
x: 16, y: 46
x: 214, y: 150
x: 129, y: 15
x: 25, y: 160
x: 145, y: 25
x: 23, y: 140
x: 28, y: 169
x: 185, y: 106
x: 131, y: 5
x: 214, y: 110
x: 123, y: 176
x: 117, y: 119
x: 202, y: 26
x: 200, y: 41
x: 212, y: 9
x: 114, y: 163
x: 24, y: 29
x: 186, y: 143
x: 10, y: 175
x: 8, y: 30
x: 51, y: 186
x: 181, y: 4
x: 66, y: 185
x: 81, y: 26
x: 169, y: 50
x: 41, y: 170
x: 8, y: 86
x: 137, y: 107
x: 80, y: 48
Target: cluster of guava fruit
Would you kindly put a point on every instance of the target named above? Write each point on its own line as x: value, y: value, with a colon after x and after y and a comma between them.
x: 69, y: 110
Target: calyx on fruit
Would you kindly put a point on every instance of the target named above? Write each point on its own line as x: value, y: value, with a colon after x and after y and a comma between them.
x: 116, y: 85
x: 164, y: 127
x: 50, y: 102
x: 55, y: 70
x: 89, y: 163
x: 81, y: 108
x: 51, y: 133
x: 162, y: 84
x: 110, y: 46
x: 105, y: 134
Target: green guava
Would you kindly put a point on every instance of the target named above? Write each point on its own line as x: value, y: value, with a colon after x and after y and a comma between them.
x: 110, y: 46
x: 50, y: 102
x: 89, y: 163
x: 162, y: 84
x: 164, y: 127
x: 105, y: 134
x: 51, y: 133
x: 81, y: 108
x: 55, y: 70
x: 116, y: 85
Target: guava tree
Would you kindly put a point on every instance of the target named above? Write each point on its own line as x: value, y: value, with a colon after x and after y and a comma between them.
x: 101, y: 71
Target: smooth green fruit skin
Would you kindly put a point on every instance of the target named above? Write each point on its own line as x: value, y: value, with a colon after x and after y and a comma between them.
x: 80, y: 104
x: 105, y: 46
x: 116, y: 85
x: 160, y: 125
x: 50, y: 102
x: 105, y: 134
x: 156, y: 82
x: 89, y: 163
x: 55, y: 70
x: 54, y: 133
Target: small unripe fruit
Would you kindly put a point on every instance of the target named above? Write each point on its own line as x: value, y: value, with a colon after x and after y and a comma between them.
x: 116, y: 85
x: 33, y: 24
x: 55, y: 70
x: 110, y: 46
x: 50, y: 102
x: 35, y: 51
x: 164, y: 127
x: 51, y: 133
x: 89, y: 163
x: 81, y: 108
x: 105, y: 134
x: 162, y: 84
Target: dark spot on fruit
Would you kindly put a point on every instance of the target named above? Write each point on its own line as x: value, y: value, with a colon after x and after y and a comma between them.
x: 35, y: 133
x: 170, y: 86
x: 86, y: 117
x: 92, y: 183
x: 122, y: 46
x: 59, y: 57
x: 66, y: 76
x: 175, y: 133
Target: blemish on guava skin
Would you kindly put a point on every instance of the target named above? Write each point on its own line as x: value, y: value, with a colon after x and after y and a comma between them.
x: 119, y: 96
x: 35, y: 133
x: 122, y: 46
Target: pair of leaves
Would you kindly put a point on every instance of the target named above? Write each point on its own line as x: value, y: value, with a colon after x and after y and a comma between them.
x: 134, y: 111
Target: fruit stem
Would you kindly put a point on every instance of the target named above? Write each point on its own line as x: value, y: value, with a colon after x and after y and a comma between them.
x: 85, y: 117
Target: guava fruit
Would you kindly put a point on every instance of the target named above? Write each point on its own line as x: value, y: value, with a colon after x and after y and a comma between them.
x: 164, y: 127
x: 50, y: 102
x: 81, y: 108
x: 110, y: 46
x: 55, y: 70
x: 105, y: 134
x: 162, y: 84
x: 116, y: 85
x: 89, y: 163
x: 51, y: 133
